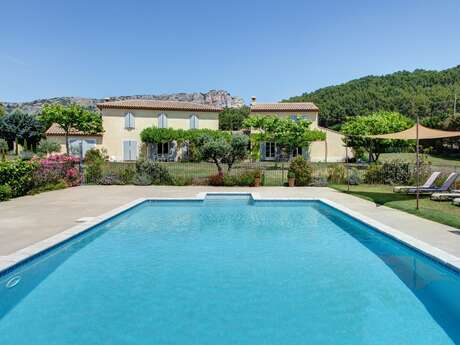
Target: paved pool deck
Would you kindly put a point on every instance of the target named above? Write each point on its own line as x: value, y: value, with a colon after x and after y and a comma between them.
x: 27, y: 220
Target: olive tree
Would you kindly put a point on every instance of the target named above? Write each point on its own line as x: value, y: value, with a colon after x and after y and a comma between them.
x: 222, y: 150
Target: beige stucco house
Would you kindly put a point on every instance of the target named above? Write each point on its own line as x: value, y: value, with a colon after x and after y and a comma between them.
x: 123, y: 122
x: 330, y: 150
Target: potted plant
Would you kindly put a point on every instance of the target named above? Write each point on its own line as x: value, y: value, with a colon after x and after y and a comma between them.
x: 257, y: 178
x: 291, y: 178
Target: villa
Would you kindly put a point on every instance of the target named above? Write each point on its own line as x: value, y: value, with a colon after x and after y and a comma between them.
x: 123, y: 122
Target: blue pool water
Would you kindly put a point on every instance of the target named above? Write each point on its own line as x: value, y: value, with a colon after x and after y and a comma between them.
x: 231, y: 271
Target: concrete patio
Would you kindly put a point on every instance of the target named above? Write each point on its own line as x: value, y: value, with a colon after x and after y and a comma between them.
x: 30, y: 219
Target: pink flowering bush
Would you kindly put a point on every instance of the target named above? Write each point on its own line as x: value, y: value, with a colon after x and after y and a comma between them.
x: 57, y: 168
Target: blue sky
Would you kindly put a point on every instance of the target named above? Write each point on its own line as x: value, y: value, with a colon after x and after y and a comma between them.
x: 270, y: 49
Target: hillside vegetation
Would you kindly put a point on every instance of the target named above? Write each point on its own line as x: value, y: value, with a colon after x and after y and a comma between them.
x: 427, y: 93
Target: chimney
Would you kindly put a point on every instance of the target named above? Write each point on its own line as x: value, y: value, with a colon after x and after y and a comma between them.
x: 253, y: 100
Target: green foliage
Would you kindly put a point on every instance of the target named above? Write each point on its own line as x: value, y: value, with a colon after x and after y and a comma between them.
x: 377, y: 123
x: 426, y: 93
x: 94, y: 163
x: 71, y: 117
x: 18, y: 175
x: 285, y: 132
x: 216, y: 180
x: 48, y: 187
x: 3, y: 148
x: 302, y: 171
x: 5, y: 192
x: 147, y: 168
x: 337, y: 173
x: 2, y: 110
x: 223, y: 151
x: 46, y: 147
x: 153, y: 135
x: 231, y: 119
x: 22, y: 128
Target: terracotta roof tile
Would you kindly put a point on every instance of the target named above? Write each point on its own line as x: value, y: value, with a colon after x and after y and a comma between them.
x: 282, y: 107
x: 55, y: 129
x: 158, y: 105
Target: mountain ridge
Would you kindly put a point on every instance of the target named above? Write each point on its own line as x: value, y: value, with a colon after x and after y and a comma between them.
x: 221, y: 98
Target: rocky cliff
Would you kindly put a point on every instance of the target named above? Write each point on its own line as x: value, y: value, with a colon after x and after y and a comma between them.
x: 219, y: 98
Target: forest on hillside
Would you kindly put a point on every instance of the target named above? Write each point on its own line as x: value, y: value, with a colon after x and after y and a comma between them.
x: 430, y: 94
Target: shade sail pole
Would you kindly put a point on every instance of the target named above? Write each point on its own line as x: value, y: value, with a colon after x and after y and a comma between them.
x: 417, y: 162
x: 348, y: 168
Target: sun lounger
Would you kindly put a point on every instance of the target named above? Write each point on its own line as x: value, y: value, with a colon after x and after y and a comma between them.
x: 445, y: 196
x: 456, y: 202
x: 428, y: 184
x: 444, y: 188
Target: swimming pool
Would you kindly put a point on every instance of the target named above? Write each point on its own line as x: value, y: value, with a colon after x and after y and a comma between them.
x: 230, y: 270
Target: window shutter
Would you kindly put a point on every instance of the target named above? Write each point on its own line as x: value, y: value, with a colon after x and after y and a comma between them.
x: 162, y: 121
x: 262, y: 150
x: 126, y: 150
x: 194, y: 122
x: 134, y: 149
x: 131, y: 121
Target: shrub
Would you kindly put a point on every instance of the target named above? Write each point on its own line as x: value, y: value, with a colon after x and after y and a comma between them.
x: 18, y: 175
x: 3, y: 148
x: 26, y: 155
x: 230, y: 180
x: 318, y: 181
x: 48, y: 187
x: 216, y: 180
x: 247, y: 179
x: 56, y: 168
x: 373, y: 174
x: 182, y: 181
x: 110, y: 179
x: 94, y: 162
x: 337, y: 173
x: 391, y: 172
x: 142, y: 180
x: 157, y: 173
x: 302, y: 171
x: 5, y: 192
x: 127, y: 175
x: 354, y: 178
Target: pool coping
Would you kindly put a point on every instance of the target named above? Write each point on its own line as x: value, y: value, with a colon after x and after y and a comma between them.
x: 9, y: 262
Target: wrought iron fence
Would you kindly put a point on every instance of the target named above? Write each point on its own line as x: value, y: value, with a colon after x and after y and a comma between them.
x: 275, y: 173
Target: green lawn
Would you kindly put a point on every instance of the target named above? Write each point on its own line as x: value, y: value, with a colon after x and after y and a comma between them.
x: 439, y: 211
x: 453, y: 160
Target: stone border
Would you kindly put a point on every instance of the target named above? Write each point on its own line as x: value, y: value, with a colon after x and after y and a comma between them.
x: 10, y: 261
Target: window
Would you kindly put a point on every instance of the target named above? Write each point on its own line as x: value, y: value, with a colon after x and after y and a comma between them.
x: 194, y: 122
x: 79, y: 147
x: 162, y: 121
x: 163, y: 149
x: 297, y: 151
x: 129, y: 150
x: 129, y: 121
x: 270, y: 150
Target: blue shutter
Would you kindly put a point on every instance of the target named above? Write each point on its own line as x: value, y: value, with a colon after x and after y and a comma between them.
x: 126, y: 150
x: 262, y: 151
x: 131, y: 121
x: 133, y: 150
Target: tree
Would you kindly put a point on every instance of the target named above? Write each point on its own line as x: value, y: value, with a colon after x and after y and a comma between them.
x: 46, y: 147
x: 231, y: 119
x: 377, y: 123
x: 21, y: 128
x: 2, y: 110
x: 223, y: 151
x: 3, y: 148
x: 73, y: 117
x: 423, y: 93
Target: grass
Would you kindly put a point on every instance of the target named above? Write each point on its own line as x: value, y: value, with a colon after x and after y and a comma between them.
x: 439, y: 211
x: 445, y: 160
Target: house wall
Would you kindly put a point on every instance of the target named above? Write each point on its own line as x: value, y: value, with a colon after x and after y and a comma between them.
x: 333, y: 146
x: 115, y: 133
x: 60, y: 139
